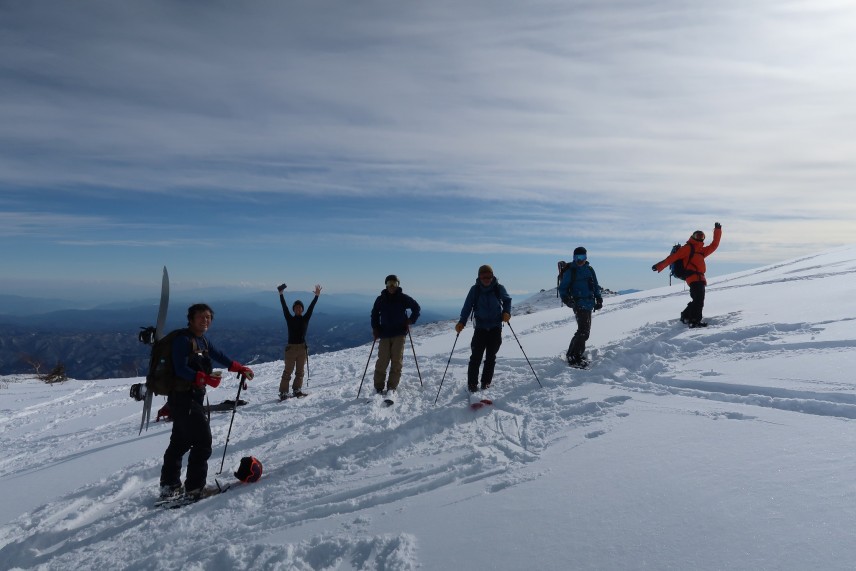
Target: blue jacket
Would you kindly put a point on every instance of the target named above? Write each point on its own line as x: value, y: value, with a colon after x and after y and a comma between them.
x: 389, y: 314
x: 487, y: 304
x: 584, y: 289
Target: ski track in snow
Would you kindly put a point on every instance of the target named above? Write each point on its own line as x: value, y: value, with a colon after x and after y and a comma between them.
x: 331, y: 456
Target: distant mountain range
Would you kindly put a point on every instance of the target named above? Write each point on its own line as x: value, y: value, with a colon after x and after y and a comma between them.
x: 101, y: 342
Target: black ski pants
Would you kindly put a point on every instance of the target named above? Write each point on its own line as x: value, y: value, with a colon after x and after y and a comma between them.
x: 484, y: 341
x: 693, y: 312
x: 190, y: 431
x: 578, y: 341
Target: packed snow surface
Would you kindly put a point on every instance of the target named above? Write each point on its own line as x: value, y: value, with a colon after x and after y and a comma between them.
x: 727, y: 447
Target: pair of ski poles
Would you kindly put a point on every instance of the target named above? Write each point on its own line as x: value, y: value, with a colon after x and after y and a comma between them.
x: 453, y: 351
x: 447, y: 362
x: 415, y: 360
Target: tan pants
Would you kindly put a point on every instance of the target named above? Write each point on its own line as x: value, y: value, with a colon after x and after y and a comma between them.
x: 295, y: 356
x: 389, y: 349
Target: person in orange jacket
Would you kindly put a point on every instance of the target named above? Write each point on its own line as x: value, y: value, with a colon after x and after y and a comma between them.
x: 693, y: 254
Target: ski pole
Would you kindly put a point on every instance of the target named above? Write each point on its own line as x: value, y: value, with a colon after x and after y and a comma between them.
x: 447, y: 366
x: 414, y: 358
x: 524, y: 354
x: 241, y: 381
x: 305, y: 346
x: 367, y: 368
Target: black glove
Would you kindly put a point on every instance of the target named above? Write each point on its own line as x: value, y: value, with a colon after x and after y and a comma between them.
x: 598, y: 303
x: 654, y: 267
x: 717, y: 225
x: 569, y: 301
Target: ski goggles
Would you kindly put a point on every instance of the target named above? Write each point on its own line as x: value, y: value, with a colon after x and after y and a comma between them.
x: 698, y: 235
x: 579, y: 257
x: 392, y: 283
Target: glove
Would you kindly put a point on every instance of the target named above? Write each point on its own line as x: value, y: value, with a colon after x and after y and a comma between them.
x: 459, y: 327
x: 506, y: 317
x: 598, y: 303
x: 569, y: 301
x: 245, y: 372
x: 203, y: 379
x: 280, y: 287
x: 375, y: 333
x: 654, y: 267
x: 717, y: 225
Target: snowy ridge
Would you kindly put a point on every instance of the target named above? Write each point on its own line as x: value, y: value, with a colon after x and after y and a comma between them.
x: 690, y: 446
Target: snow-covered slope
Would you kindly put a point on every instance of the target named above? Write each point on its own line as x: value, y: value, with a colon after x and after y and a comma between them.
x: 729, y: 447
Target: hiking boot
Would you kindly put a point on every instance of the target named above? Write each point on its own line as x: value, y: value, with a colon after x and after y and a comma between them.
x: 170, y: 491
x: 299, y: 394
x: 194, y: 495
x: 283, y: 396
x: 485, y: 386
x: 472, y: 388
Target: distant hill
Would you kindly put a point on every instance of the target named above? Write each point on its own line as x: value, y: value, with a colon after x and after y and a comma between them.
x: 102, y: 342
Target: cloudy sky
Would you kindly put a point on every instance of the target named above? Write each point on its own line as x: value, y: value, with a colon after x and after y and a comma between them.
x: 336, y: 141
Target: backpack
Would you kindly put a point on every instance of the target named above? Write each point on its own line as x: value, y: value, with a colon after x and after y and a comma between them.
x: 161, y: 378
x: 677, y: 267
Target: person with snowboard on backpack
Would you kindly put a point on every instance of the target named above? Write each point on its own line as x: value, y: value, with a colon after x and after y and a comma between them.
x: 390, y: 325
x: 490, y: 305
x: 580, y: 291
x: 693, y: 254
x: 192, y: 355
x: 296, y: 352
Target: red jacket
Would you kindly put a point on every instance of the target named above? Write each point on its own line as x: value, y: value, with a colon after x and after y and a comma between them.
x: 694, y: 262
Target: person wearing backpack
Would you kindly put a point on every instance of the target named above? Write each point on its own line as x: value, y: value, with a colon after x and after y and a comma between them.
x: 490, y: 305
x: 580, y: 291
x: 296, y: 352
x: 693, y: 255
x: 192, y: 356
x: 390, y: 325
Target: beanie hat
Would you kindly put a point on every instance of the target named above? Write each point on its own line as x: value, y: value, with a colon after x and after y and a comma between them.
x: 698, y: 235
x: 485, y: 269
x: 580, y: 250
x: 297, y: 302
x: 391, y: 278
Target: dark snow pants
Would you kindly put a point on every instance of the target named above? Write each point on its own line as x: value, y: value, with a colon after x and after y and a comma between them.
x: 190, y: 431
x: 484, y: 340
x: 693, y: 312
x: 578, y: 341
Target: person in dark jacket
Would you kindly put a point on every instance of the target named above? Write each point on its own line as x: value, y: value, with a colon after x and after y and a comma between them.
x: 390, y: 324
x: 580, y: 291
x: 296, y: 351
x: 192, y: 355
x: 693, y: 255
x: 490, y: 305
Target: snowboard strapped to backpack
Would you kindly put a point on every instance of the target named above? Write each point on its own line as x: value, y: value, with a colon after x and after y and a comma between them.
x: 161, y: 378
x: 677, y: 268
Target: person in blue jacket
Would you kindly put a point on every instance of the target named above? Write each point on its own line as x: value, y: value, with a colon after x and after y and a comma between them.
x: 490, y: 306
x: 580, y: 291
x: 192, y: 355
x: 390, y: 324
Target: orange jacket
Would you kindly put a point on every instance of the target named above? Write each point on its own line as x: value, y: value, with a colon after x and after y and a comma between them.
x: 694, y: 263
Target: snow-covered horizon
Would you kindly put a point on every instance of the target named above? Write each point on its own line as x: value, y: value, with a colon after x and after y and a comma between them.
x: 729, y: 447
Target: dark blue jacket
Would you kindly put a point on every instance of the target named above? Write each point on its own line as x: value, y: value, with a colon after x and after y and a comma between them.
x: 584, y: 289
x: 487, y: 304
x: 389, y: 314
x: 186, y: 363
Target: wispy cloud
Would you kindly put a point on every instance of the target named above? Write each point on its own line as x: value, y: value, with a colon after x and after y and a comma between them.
x: 605, y: 122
